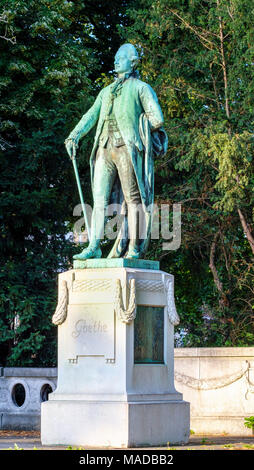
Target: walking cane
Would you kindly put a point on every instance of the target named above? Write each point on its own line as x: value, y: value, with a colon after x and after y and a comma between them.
x: 73, y: 158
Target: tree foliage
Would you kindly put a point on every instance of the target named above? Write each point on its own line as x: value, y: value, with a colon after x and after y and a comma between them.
x: 198, y: 55
x: 46, y: 83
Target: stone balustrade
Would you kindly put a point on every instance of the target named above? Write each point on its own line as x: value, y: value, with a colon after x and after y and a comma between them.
x: 219, y: 384
x: 22, y: 390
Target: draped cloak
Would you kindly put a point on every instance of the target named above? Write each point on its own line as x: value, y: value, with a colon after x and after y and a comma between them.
x: 140, y: 120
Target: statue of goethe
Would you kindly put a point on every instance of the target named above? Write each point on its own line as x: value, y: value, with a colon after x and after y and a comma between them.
x: 129, y: 135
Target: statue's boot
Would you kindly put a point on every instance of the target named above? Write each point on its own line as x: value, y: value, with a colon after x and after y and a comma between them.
x: 93, y: 250
x: 88, y: 253
x: 133, y: 252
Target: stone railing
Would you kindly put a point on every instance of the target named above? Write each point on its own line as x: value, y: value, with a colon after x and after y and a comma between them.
x: 22, y: 389
x: 219, y: 384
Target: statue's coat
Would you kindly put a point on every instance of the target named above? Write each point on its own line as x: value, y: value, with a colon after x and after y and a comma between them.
x: 138, y: 115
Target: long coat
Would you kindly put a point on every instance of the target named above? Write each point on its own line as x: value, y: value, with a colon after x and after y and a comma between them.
x: 138, y: 114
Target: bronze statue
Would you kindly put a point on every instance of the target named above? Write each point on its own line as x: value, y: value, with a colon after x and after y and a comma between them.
x: 129, y: 134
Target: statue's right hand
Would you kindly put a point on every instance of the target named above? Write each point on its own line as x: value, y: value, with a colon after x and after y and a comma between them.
x: 71, y: 148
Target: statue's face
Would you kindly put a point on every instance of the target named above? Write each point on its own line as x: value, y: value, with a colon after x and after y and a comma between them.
x: 122, y: 61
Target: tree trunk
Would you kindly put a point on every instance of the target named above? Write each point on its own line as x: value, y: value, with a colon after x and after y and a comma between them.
x: 223, y: 298
x: 246, y: 230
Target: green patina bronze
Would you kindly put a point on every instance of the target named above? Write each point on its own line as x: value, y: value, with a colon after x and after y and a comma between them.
x: 116, y: 263
x: 149, y: 335
x: 129, y: 135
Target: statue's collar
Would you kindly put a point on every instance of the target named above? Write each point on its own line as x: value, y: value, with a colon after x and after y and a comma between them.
x: 116, y: 87
x: 124, y: 76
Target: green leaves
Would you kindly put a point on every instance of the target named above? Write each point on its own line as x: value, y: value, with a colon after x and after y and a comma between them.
x: 197, y: 56
x: 46, y: 85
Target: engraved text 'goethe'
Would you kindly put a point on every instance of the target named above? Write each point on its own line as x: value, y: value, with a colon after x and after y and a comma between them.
x: 89, y: 326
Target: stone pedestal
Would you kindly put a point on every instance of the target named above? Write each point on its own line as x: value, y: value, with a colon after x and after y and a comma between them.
x: 115, y: 384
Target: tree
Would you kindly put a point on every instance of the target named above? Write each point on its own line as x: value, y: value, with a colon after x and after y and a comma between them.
x: 198, y: 55
x: 47, y: 83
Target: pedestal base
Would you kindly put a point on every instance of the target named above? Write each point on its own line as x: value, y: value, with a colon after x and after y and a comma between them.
x: 114, y: 424
x: 115, y: 362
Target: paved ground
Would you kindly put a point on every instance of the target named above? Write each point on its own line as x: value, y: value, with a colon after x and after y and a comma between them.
x: 29, y: 440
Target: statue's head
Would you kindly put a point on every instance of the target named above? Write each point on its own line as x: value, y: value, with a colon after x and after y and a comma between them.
x: 126, y: 59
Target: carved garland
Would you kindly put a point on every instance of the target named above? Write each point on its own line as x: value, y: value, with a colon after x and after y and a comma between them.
x: 249, y: 382
x: 61, y: 310
x: 128, y: 315
x: 171, y: 308
x: 149, y: 285
x: 92, y: 285
x: 213, y: 383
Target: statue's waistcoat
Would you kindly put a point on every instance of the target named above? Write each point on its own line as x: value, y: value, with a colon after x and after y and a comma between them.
x: 127, y: 110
